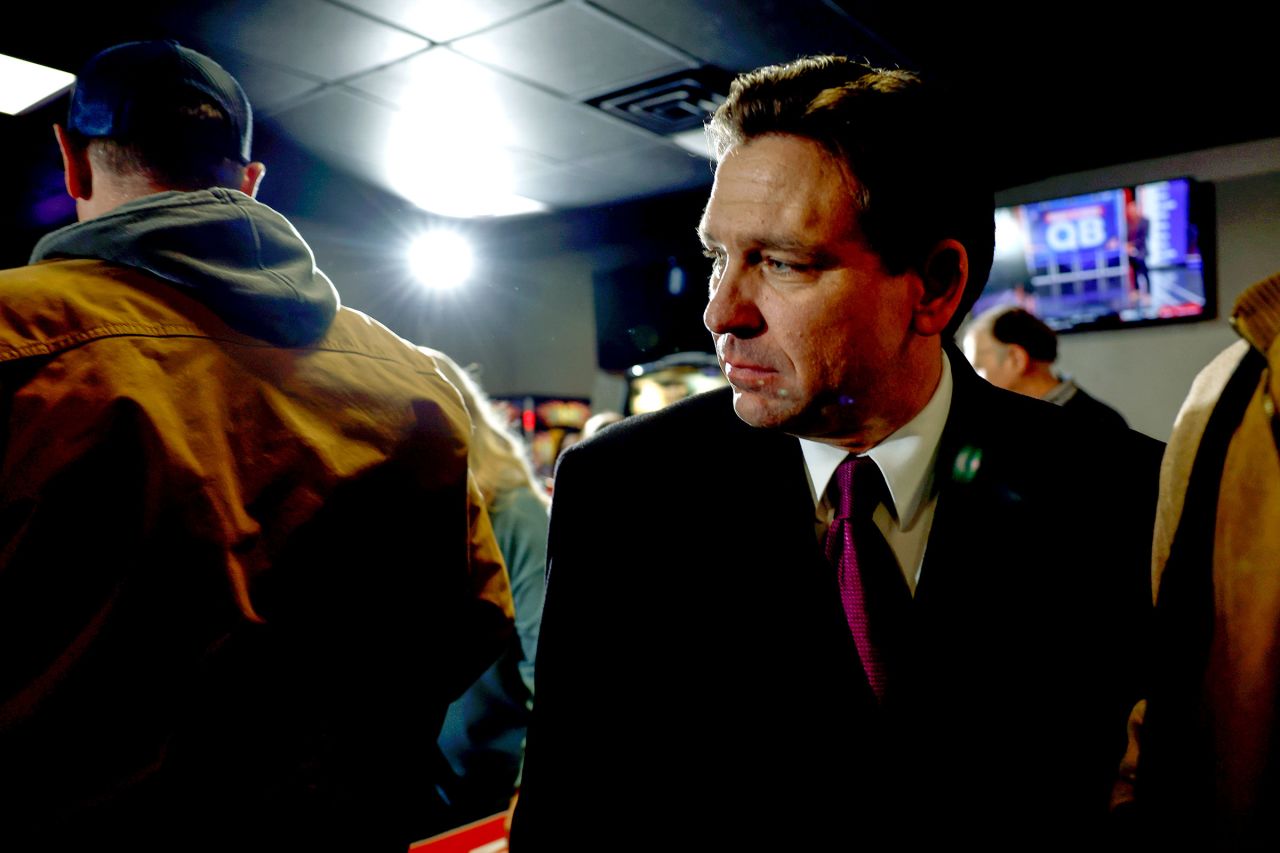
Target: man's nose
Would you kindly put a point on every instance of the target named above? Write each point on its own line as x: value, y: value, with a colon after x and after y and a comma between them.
x: 732, y: 307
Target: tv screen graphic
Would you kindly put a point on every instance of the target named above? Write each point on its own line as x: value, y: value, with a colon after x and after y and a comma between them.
x: 1120, y: 257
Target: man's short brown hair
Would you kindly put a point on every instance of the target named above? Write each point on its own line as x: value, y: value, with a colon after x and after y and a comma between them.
x: 177, y: 147
x: 921, y: 174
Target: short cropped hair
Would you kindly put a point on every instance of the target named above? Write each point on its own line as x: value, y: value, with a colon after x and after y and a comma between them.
x: 179, y: 147
x: 921, y: 173
x: 1021, y: 327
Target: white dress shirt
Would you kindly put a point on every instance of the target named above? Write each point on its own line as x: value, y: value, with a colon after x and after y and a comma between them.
x: 906, y: 459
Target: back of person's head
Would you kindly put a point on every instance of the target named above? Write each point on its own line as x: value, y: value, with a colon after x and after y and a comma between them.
x: 498, y: 459
x: 920, y: 170
x: 162, y: 113
x: 1022, y: 328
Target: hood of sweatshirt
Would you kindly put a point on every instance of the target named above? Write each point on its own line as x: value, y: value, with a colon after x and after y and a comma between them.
x: 237, y: 256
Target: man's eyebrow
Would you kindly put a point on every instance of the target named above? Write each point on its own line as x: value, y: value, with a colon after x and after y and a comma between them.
x: 765, y: 242
x: 784, y: 244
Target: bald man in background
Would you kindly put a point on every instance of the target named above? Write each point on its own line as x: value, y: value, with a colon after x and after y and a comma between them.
x: 1013, y: 349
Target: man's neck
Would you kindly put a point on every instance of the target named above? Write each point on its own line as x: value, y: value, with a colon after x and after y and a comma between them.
x: 111, y: 194
x: 1039, y: 382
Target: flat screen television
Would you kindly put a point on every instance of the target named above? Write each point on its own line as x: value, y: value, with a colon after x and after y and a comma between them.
x: 1130, y: 256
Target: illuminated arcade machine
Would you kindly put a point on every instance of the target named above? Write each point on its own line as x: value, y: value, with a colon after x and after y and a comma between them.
x: 659, y: 384
x: 547, y: 424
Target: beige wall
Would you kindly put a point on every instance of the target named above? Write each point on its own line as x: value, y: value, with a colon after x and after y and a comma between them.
x: 529, y: 325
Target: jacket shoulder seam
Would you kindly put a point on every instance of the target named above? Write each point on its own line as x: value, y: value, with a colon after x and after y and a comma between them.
x: 70, y: 340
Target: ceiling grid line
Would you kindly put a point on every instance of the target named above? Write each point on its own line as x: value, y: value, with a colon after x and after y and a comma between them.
x: 381, y: 21
x: 640, y: 33
x: 343, y: 84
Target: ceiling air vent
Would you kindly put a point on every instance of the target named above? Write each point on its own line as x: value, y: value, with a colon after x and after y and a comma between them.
x: 670, y: 104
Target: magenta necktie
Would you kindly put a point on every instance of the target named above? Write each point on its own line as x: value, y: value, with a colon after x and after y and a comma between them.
x: 866, y: 567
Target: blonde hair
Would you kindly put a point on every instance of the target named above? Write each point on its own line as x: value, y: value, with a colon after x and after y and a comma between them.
x: 498, y: 460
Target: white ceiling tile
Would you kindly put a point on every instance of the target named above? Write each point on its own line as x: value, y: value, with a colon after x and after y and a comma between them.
x: 617, y: 176
x: 318, y: 39
x: 341, y: 124
x: 267, y: 85
x: 446, y: 173
x: 573, y: 49
x: 650, y: 170
x: 440, y: 20
x: 454, y: 95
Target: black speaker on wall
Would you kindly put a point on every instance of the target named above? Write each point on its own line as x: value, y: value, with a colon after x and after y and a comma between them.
x: 650, y: 310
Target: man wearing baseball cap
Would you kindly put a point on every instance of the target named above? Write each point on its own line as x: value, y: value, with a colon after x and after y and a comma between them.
x: 242, y: 567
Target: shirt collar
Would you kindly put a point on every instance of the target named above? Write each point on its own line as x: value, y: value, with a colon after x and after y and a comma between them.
x: 905, y: 458
x: 1062, y: 392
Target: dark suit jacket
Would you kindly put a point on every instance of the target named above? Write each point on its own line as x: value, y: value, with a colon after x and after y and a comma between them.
x: 697, y: 682
x: 1093, y: 411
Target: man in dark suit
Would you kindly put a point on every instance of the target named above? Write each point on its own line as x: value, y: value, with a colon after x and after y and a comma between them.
x: 706, y: 678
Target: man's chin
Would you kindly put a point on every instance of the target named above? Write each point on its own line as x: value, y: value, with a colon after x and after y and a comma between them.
x: 789, y: 416
x: 759, y: 411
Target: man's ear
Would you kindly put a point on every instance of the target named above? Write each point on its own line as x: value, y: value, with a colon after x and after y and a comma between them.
x: 253, y: 175
x: 77, y: 173
x: 944, y: 275
x: 1016, y: 354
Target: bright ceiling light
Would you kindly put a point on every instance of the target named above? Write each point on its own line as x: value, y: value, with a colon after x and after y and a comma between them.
x: 442, y: 154
x: 441, y: 259
x: 460, y: 176
x: 24, y: 85
x: 475, y: 189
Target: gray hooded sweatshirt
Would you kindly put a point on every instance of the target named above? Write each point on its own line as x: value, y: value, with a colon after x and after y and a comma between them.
x: 237, y: 256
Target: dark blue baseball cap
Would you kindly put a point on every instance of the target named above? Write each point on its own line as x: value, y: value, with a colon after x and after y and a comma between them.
x: 123, y: 87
